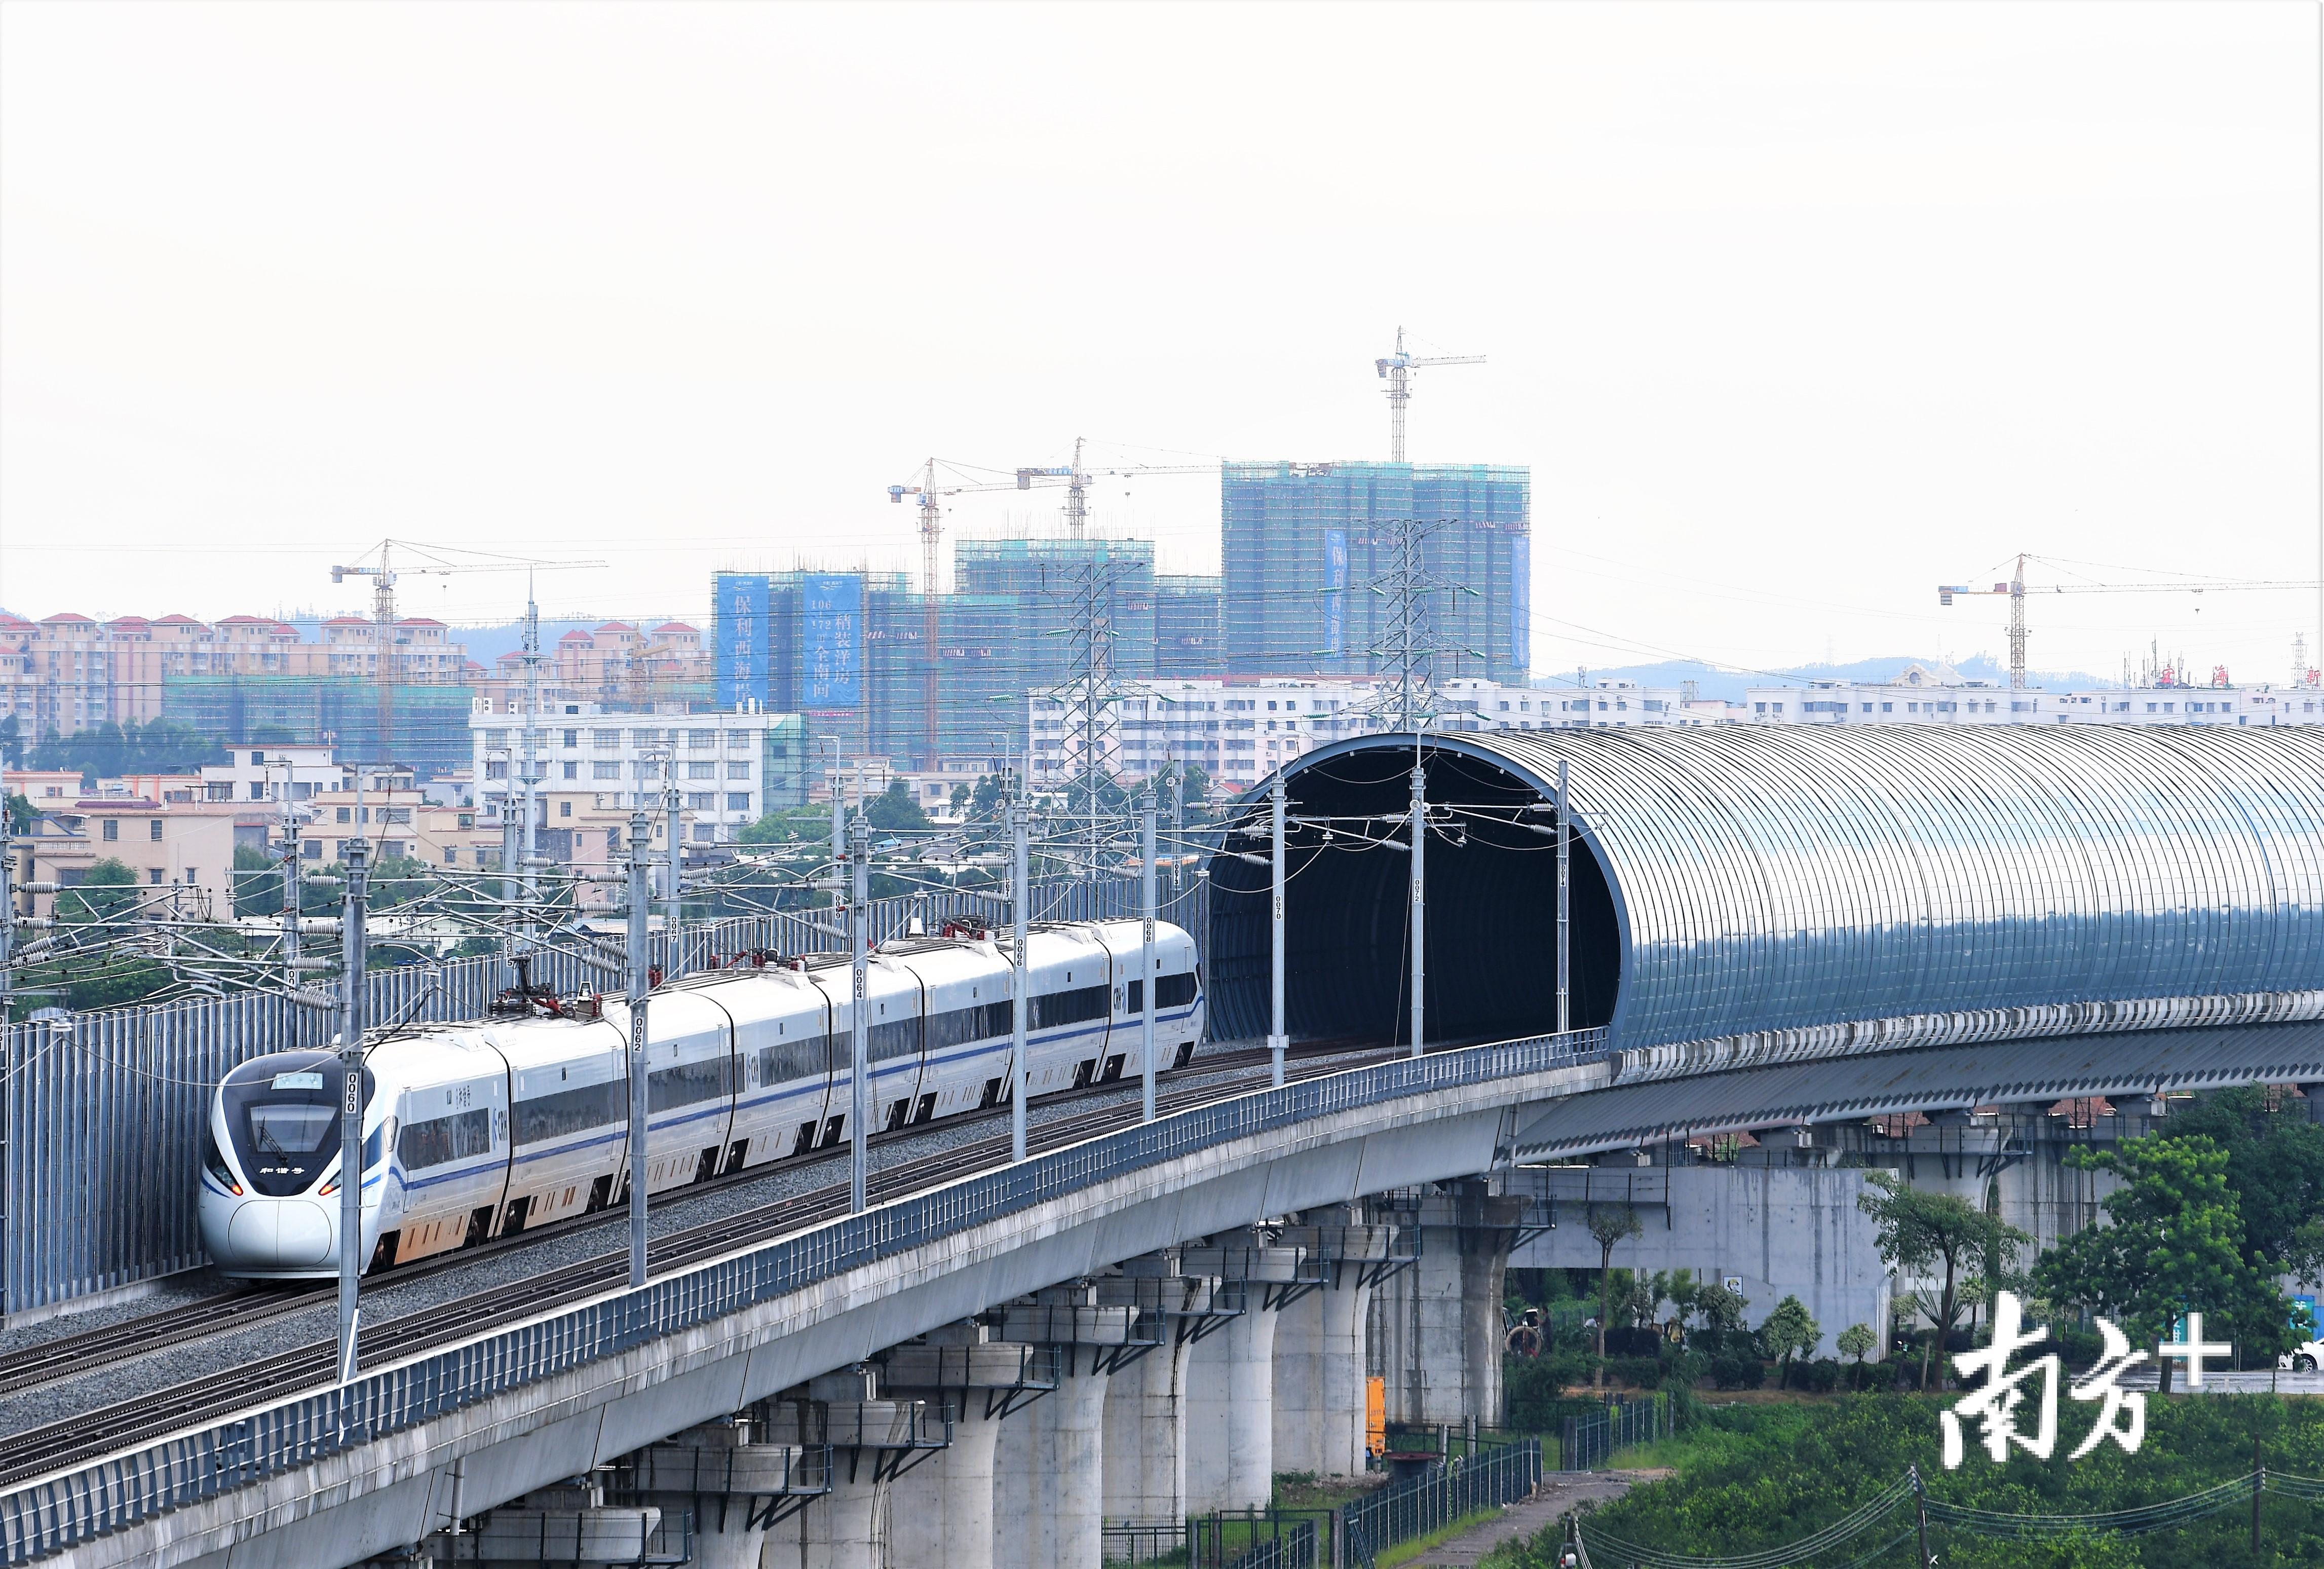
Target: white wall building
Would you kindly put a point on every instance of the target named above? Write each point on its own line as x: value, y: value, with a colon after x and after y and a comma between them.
x: 729, y: 768
x: 1922, y: 695
x: 1240, y: 730
x: 264, y: 773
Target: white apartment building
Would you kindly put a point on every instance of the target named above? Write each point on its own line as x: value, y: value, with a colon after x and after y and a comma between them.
x: 266, y: 774
x: 1240, y: 730
x: 1922, y: 695
x: 729, y: 768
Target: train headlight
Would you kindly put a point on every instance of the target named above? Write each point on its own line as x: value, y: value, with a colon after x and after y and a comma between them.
x: 213, y: 1161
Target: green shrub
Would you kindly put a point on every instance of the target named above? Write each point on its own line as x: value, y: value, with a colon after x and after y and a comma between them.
x: 1821, y: 1376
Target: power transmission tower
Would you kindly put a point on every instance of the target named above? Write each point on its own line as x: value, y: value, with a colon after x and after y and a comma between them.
x: 1404, y: 659
x: 1090, y: 694
x: 1404, y: 655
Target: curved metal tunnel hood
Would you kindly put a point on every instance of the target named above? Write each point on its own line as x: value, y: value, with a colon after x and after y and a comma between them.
x: 1742, y: 879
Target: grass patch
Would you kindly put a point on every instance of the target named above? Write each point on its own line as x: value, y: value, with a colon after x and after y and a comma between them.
x: 1405, y: 1552
x: 1754, y: 1477
x: 1299, y: 1491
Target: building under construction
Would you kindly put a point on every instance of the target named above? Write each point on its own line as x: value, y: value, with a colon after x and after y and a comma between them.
x: 1301, y: 543
x: 849, y: 649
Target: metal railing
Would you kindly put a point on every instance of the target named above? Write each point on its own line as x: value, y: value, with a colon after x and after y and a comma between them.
x: 611, y: 1538
x: 1291, y: 1549
x: 50, y: 1515
x: 1447, y: 1492
x: 103, y: 1116
x: 1274, y: 1537
x: 1584, y: 1443
x: 1138, y: 1542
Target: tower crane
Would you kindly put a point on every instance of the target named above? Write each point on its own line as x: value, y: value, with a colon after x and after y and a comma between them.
x: 1075, y: 477
x: 2015, y: 590
x: 383, y: 574
x: 1396, y: 372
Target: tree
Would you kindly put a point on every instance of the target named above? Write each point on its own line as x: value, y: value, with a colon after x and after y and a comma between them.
x: 1858, y: 1341
x: 2172, y: 1244
x: 1789, y: 1332
x: 1683, y: 1291
x: 1610, y: 1224
x: 960, y: 799
x: 1918, y: 1229
x: 2275, y: 1170
x: 20, y: 812
x: 160, y: 746
x: 1722, y: 1309
x: 893, y: 810
x: 257, y: 882
x: 788, y: 827
x: 12, y: 743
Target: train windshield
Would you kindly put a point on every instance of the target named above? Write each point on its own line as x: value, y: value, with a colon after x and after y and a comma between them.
x: 282, y: 1114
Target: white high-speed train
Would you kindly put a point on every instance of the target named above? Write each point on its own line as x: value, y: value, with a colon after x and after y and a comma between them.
x: 472, y: 1131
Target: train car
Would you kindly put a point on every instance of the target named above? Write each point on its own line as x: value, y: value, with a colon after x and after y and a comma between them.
x: 476, y: 1130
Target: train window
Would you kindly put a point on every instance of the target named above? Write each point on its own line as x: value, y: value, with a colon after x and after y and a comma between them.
x: 567, y: 1112
x: 807, y: 1057
x: 689, y: 1082
x: 440, y: 1140
x: 960, y: 1026
x: 1074, y: 1007
x: 282, y: 1116
x: 897, y: 1038
x: 1174, y: 990
x: 1135, y: 1002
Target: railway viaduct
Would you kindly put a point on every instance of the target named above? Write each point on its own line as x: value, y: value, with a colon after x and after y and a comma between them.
x: 1825, y: 939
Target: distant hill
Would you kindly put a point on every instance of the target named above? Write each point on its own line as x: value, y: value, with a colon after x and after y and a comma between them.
x: 1730, y: 685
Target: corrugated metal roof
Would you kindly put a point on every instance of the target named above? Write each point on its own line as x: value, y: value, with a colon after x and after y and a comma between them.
x: 1768, y: 878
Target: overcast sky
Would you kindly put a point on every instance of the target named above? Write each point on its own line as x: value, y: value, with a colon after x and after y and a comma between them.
x: 1794, y: 311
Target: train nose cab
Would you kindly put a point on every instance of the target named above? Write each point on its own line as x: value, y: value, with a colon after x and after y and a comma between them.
x: 270, y: 1181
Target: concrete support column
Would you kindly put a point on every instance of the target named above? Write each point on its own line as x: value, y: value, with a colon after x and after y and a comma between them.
x: 1299, y: 1407
x: 1444, y: 1333
x: 1069, y: 1467
x: 1319, y: 1344
x: 1145, y: 1437
x: 941, y: 1512
x: 1231, y: 1384
x: 1341, y: 1443
x: 1231, y: 1413
x: 1014, y: 1489
x: 848, y: 1527
x: 729, y: 1484
x: 1063, y: 1447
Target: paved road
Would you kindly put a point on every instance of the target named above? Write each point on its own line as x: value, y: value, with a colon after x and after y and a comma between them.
x: 1560, y: 1491
x: 2218, y: 1381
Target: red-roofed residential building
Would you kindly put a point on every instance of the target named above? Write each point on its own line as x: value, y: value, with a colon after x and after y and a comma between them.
x: 67, y: 672
x: 615, y: 666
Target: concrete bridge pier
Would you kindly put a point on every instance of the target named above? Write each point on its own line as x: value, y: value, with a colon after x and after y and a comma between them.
x: 1438, y: 1325
x: 1064, y: 1447
x: 569, y: 1526
x: 941, y: 1510
x: 872, y: 1440
x: 1146, y: 1401
x: 1319, y: 1344
x: 1231, y: 1383
x: 737, y: 1490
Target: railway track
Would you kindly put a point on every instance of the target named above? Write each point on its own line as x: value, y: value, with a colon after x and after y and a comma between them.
x: 148, y: 1417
